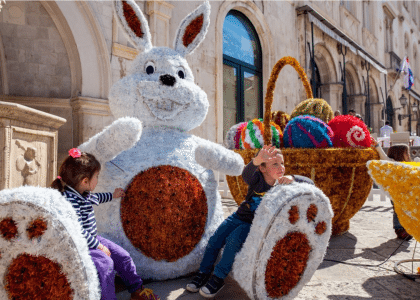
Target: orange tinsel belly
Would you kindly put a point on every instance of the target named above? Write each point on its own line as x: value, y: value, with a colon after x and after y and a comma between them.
x: 164, y: 212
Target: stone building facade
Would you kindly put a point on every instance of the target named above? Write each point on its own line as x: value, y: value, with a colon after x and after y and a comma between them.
x: 62, y: 57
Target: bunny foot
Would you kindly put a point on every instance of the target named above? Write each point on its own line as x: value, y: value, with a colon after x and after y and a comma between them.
x: 40, y: 257
x: 287, y: 242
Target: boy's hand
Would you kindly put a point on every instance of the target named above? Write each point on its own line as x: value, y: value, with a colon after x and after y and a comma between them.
x: 119, y: 192
x: 104, y: 249
x: 286, y: 179
x: 266, y: 153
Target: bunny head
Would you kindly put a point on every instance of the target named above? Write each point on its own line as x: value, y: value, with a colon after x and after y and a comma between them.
x: 159, y: 88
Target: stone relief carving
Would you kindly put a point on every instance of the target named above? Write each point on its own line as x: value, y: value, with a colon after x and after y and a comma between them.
x: 27, y: 164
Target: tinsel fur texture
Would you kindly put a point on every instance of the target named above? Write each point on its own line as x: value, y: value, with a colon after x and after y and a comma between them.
x: 159, y: 90
x: 160, y: 146
x: 271, y: 224
x: 62, y: 242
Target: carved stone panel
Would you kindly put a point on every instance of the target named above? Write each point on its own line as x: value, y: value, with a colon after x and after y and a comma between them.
x: 28, y: 138
x: 32, y: 157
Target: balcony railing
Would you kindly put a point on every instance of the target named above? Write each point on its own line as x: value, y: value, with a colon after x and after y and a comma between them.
x: 394, y: 61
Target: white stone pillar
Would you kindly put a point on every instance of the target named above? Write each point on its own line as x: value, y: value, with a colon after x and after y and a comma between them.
x: 335, y: 91
x: 90, y: 116
x: 160, y: 12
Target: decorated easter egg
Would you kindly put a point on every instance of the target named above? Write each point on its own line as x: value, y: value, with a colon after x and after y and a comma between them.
x: 307, y: 132
x: 252, y: 135
x: 350, y: 131
x: 233, y: 136
x: 280, y: 118
x: 315, y: 107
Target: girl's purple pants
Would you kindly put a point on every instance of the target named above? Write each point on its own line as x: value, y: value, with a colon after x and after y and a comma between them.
x: 120, y: 261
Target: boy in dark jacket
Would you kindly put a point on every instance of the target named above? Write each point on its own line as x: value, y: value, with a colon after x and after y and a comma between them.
x: 262, y: 173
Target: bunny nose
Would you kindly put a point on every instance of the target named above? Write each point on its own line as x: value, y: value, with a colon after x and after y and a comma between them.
x: 167, y: 80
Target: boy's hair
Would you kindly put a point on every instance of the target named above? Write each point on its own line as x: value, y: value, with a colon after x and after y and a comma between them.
x: 396, y: 152
x: 278, y: 152
x: 74, y: 170
x: 387, y: 123
x: 352, y: 111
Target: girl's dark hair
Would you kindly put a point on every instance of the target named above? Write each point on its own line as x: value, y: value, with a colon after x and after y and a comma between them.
x: 396, y: 152
x: 74, y: 170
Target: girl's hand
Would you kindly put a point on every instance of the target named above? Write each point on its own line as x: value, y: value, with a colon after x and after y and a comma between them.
x: 104, y: 249
x: 266, y: 153
x: 286, y: 179
x: 119, y: 192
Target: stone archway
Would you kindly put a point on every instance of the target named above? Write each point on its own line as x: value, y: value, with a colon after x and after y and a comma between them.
x: 354, y: 97
x: 375, y: 106
x: 327, y: 74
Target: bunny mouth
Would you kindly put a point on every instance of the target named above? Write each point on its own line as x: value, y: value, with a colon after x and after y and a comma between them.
x: 164, y: 109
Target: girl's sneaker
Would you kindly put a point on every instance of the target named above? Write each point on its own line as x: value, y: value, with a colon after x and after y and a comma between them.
x: 212, y: 287
x: 198, y: 281
x: 144, y: 294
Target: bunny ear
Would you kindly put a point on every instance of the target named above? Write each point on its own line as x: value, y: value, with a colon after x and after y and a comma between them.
x: 192, y: 30
x: 134, y: 23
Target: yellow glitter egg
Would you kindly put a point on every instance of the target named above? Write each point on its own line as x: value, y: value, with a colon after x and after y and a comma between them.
x: 316, y: 107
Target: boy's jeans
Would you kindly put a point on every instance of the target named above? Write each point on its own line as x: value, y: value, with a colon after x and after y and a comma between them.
x: 231, y: 232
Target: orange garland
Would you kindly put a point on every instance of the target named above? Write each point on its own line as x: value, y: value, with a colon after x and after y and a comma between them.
x: 320, y: 228
x: 192, y: 30
x: 312, y: 212
x: 36, y: 277
x: 36, y: 228
x: 166, y: 222
x: 286, y: 264
x: 8, y: 228
x: 293, y: 214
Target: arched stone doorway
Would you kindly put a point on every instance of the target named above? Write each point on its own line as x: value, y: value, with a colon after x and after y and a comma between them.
x: 327, y: 77
x: 355, y: 100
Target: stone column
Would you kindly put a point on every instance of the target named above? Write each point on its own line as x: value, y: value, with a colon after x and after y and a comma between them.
x: 375, y: 108
x: 90, y: 116
x: 160, y: 12
x: 28, y: 138
x: 359, y: 105
x: 335, y: 91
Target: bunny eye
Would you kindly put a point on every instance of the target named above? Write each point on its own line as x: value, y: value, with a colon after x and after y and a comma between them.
x: 181, y: 73
x: 150, y: 68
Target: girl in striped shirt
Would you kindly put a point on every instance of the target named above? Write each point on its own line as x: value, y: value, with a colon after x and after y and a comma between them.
x: 78, y: 176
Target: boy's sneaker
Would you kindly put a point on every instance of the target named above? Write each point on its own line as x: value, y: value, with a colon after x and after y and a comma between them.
x: 212, y: 287
x: 198, y: 281
x: 144, y: 294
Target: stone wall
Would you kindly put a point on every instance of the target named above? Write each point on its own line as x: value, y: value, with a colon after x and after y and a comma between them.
x: 37, y: 62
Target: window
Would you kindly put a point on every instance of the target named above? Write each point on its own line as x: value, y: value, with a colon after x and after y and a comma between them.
x: 367, y: 16
x: 388, y: 30
x: 242, y: 71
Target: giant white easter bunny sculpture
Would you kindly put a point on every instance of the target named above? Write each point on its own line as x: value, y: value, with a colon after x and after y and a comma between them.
x: 172, y: 205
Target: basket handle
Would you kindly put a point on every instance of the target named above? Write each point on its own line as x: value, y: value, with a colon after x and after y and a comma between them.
x: 287, y: 60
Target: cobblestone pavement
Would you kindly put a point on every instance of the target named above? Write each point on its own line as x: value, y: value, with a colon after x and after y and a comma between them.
x: 369, y: 241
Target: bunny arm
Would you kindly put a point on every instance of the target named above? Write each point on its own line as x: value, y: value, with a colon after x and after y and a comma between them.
x: 216, y: 157
x: 121, y: 135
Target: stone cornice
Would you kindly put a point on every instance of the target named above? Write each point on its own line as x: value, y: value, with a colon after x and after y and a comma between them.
x: 91, y: 106
x: 124, y: 51
x: 37, y: 101
x: 14, y: 111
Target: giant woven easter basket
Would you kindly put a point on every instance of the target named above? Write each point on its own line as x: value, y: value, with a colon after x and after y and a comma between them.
x: 340, y: 173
